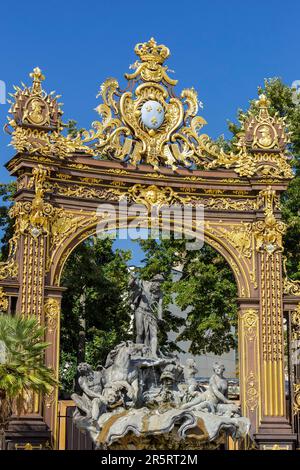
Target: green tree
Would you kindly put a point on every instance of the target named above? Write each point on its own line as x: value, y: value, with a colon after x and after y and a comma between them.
x: 206, y: 285
x: 22, y: 367
x: 7, y: 192
x: 95, y: 307
x: 281, y: 101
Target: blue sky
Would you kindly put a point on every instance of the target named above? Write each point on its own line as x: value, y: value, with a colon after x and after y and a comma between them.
x: 223, y: 49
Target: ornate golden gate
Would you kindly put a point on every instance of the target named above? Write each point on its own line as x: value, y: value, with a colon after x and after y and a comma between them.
x: 148, y: 147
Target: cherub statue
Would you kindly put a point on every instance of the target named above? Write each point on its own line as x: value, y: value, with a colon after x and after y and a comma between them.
x: 190, y: 370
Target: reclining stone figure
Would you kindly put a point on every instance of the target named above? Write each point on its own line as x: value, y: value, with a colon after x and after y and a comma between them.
x: 214, y: 399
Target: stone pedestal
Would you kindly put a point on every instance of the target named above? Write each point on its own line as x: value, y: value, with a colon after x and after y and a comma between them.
x: 275, y: 434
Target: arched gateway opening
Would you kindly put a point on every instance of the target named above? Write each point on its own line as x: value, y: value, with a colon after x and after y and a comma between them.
x: 148, y: 149
x: 97, y: 312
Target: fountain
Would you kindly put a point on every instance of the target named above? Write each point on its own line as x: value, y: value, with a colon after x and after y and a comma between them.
x: 142, y: 399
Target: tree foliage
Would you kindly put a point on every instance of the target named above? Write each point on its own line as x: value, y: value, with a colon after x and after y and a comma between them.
x: 7, y: 192
x: 282, y: 102
x: 96, y: 274
x: 206, y: 287
x: 22, y: 365
x: 94, y: 305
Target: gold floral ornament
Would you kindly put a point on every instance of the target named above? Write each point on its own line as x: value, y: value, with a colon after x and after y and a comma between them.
x: 261, y: 147
x: 35, y: 123
x: 52, y: 311
x: 148, y: 124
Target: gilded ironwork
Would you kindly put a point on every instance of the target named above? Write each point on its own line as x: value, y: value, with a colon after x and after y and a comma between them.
x: 9, y: 268
x: 155, y: 196
x: 290, y: 287
x: 241, y: 238
x: 250, y: 341
x: 33, y: 217
x: 269, y: 232
x: 3, y: 301
x: 295, y: 324
x: 147, y: 124
x: 296, y: 404
x: 52, y: 311
x: 35, y: 123
x: 261, y: 147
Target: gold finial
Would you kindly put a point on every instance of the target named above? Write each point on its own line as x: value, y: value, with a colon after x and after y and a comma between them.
x: 152, y: 52
x: 37, y: 77
x: 263, y: 101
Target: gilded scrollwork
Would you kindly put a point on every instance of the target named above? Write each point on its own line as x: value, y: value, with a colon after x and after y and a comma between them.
x: 9, y: 268
x: 33, y: 217
x: 261, y: 147
x: 290, y: 287
x: 250, y: 317
x: 147, y: 123
x: 295, y: 324
x: 252, y: 391
x: 3, y: 301
x: 249, y: 340
x: 240, y: 237
x: 269, y: 232
x: 35, y: 123
x: 81, y: 191
x: 225, y: 203
x: 296, y: 404
x: 155, y: 196
x: 52, y: 312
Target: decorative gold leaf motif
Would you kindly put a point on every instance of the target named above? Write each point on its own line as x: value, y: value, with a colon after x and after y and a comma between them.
x: 3, y: 301
x: 269, y: 232
x: 52, y: 311
x: 148, y: 124
x: 261, y: 148
x: 155, y: 196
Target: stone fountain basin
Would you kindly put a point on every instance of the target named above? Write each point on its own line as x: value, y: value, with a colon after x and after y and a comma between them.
x: 171, y: 428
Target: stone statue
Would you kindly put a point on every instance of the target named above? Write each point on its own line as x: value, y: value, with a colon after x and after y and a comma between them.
x: 190, y: 370
x: 147, y: 304
x: 91, y: 384
x: 215, y: 395
x: 139, y: 395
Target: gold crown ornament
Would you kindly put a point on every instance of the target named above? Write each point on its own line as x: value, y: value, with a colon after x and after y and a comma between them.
x: 152, y: 52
